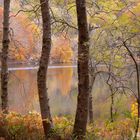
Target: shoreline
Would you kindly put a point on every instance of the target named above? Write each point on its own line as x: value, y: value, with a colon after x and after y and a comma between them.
x: 36, y: 67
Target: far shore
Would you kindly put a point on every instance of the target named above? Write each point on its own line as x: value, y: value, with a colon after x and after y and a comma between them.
x: 34, y: 66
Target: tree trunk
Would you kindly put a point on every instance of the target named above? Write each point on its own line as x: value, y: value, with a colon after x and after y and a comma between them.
x: 4, y: 134
x: 112, y: 104
x: 90, y: 107
x: 83, y: 72
x: 43, y: 66
x: 138, y: 89
x: 4, y: 65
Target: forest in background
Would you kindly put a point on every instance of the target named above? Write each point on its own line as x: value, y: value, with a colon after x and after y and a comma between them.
x: 102, y: 38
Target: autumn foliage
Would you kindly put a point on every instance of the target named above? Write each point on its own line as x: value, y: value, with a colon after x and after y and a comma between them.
x: 30, y: 127
x: 61, y: 51
x: 24, y: 37
x: 25, y: 41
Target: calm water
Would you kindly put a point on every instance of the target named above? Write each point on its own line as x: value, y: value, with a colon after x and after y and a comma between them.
x: 62, y: 89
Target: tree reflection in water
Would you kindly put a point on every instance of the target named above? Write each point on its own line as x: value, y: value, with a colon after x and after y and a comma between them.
x: 23, y: 90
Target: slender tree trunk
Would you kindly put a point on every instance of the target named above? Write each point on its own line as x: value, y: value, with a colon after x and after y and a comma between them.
x: 137, y: 121
x: 43, y: 66
x: 138, y: 88
x: 112, y: 104
x: 83, y: 72
x: 92, y: 76
x: 90, y: 108
x: 4, y: 65
x: 4, y: 134
x: 90, y: 113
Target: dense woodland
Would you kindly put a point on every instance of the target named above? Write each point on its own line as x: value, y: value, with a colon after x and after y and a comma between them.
x: 100, y: 40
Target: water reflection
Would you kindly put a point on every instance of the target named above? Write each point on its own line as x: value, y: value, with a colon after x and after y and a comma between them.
x: 23, y: 91
x: 23, y: 95
x: 62, y: 89
x: 60, y: 80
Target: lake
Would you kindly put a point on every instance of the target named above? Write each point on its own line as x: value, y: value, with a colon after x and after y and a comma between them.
x: 62, y: 90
